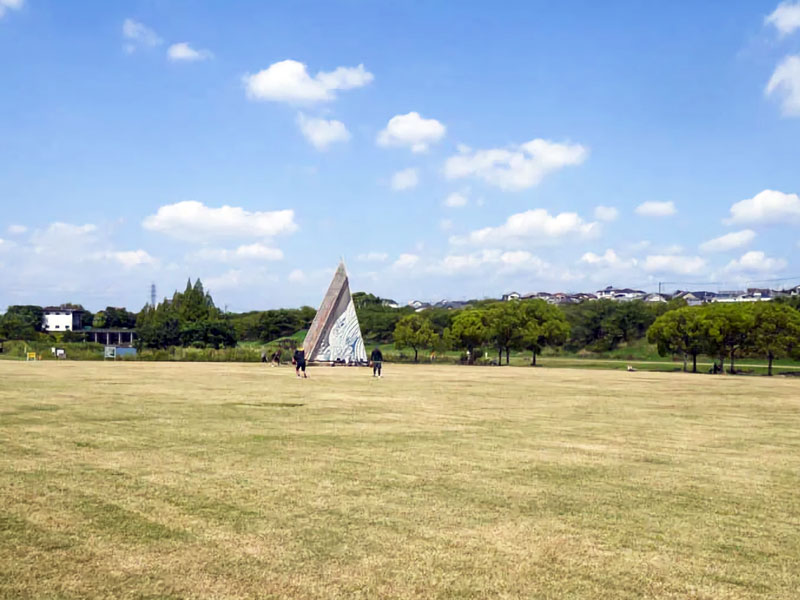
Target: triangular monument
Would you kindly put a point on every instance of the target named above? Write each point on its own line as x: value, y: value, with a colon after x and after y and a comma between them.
x: 335, y: 334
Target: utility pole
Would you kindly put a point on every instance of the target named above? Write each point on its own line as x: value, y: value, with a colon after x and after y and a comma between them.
x: 153, y: 295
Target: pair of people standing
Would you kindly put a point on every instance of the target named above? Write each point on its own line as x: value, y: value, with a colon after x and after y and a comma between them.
x: 299, y: 360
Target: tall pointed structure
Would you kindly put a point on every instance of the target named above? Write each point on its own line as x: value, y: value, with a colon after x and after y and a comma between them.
x: 335, y: 333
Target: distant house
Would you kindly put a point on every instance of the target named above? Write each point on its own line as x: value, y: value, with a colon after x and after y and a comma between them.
x: 536, y: 296
x: 582, y: 296
x: 511, y: 296
x: 619, y: 294
x: 695, y: 298
x: 795, y: 291
x: 451, y: 304
x: 419, y: 305
x: 389, y: 303
x: 59, y: 319
x: 656, y: 298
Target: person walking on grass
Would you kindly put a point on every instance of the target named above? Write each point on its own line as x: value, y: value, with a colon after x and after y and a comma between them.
x: 376, y: 358
x: 299, y: 361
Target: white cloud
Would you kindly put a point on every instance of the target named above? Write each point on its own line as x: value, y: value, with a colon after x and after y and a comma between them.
x: 785, y: 82
x: 406, y: 261
x: 63, y: 238
x: 190, y: 220
x: 766, y: 207
x: 532, y: 226
x: 297, y: 276
x: 405, y: 180
x: 656, y: 209
x: 17, y: 229
x: 516, y: 168
x: 673, y: 263
x: 455, y: 200
x: 233, y: 279
x: 321, y: 133
x: 609, y: 259
x: 373, y: 257
x: 606, y: 213
x: 184, y: 52
x: 756, y: 261
x: 256, y: 251
x: 289, y: 81
x: 131, y: 258
x: 785, y: 18
x: 729, y: 241
x: 497, y: 260
x: 138, y: 35
x: 446, y: 224
x: 411, y: 130
x: 9, y: 4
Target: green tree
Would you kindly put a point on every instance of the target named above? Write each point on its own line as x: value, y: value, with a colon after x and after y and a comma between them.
x: 681, y: 332
x: 415, y: 332
x: 776, y: 330
x: 470, y: 331
x: 16, y: 327
x: 542, y: 325
x: 31, y: 315
x: 99, y: 321
x: 727, y: 329
x: 504, y: 327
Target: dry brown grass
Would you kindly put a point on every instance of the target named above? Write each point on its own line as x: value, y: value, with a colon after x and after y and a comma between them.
x: 189, y: 480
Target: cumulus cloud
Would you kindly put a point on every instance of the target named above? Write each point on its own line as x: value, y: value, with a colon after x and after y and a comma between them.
x: 321, y: 133
x: 455, y: 200
x: 404, y: 180
x: 785, y: 18
x: 729, y: 241
x: 606, y: 213
x: 17, y: 229
x: 785, y: 83
x: 767, y: 207
x: 194, y: 221
x: 183, y: 52
x: 256, y: 251
x: 609, y: 259
x: 756, y: 261
x: 373, y: 257
x: 406, y: 261
x: 60, y: 238
x: 138, y: 35
x: 656, y: 209
x: 515, y: 168
x: 411, y: 130
x: 9, y: 4
x: 289, y: 81
x: 497, y: 260
x: 531, y: 227
x: 674, y: 263
x: 131, y: 258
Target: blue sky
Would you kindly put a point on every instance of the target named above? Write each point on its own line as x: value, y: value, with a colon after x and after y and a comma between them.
x: 446, y: 150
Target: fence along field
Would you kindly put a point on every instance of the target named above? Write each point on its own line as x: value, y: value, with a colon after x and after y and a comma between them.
x: 189, y: 480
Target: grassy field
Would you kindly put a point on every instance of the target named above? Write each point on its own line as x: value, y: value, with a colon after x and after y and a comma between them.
x: 189, y: 480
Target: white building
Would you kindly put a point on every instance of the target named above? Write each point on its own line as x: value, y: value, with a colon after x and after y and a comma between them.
x: 619, y: 294
x: 58, y: 318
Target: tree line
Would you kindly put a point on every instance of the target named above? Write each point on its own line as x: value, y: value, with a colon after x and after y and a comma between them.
x: 724, y: 332
x: 768, y: 330
x: 529, y: 325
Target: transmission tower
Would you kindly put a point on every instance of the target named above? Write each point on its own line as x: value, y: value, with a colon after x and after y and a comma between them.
x: 153, y: 295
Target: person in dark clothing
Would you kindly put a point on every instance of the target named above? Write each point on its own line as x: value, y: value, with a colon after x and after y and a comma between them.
x: 299, y: 361
x: 276, y: 359
x: 377, y: 362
